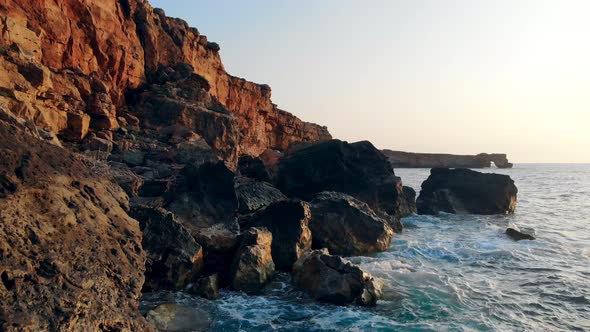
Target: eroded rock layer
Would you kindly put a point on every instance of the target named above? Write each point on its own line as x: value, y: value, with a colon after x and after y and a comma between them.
x: 70, y: 257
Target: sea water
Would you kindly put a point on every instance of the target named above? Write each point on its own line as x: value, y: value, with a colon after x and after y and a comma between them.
x: 451, y: 272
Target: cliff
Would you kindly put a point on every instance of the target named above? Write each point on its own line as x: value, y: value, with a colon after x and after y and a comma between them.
x: 401, y: 159
x: 71, y: 66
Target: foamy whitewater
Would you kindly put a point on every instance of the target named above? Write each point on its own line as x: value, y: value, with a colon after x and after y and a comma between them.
x: 452, y: 272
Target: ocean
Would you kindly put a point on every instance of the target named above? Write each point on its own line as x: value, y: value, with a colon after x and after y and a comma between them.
x: 451, y: 272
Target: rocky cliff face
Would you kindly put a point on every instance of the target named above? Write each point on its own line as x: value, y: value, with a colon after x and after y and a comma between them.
x: 70, y: 256
x: 401, y: 159
x: 71, y: 65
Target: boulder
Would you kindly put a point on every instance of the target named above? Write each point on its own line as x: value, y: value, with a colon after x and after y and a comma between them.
x: 172, y: 317
x: 207, y: 287
x: 78, y: 125
x: 252, y: 267
x: 357, y: 169
x: 346, y: 226
x: 466, y: 191
x: 174, y: 258
x: 253, y: 168
x: 95, y: 143
x: 204, y: 195
x: 407, y: 205
x: 517, y: 234
x: 333, y: 279
x: 219, y: 243
x: 253, y: 196
x: 288, y: 222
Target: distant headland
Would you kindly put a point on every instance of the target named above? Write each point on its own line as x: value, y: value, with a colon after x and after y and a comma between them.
x: 400, y: 159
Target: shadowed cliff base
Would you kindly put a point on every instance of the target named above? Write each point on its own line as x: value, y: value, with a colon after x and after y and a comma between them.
x: 400, y: 159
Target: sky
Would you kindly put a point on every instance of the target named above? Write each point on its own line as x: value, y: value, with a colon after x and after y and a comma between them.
x: 453, y: 76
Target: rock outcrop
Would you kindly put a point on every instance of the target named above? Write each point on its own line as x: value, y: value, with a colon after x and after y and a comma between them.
x: 333, y: 279
x: 174, y: 258
x: 466, y: 191
x: 69, y: 66
x: 401, y: 159
x: 346, y: 226
x: 288, y: 221
x: 253, y: 266
x: 203, y: 196
x: 70, y: 256
x: 253, y: 196
x: 357, y: 169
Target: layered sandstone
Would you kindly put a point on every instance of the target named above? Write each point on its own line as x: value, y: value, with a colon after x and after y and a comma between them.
x: 67, y: 65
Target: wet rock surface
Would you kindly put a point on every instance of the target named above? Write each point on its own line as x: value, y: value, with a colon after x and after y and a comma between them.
x: 178, y: 318
x: 333, y: 279
x: 466, y: 191
x: 288, y: 221
x: 253, y: 266
x: 518, y: 234
x: 346, y: 226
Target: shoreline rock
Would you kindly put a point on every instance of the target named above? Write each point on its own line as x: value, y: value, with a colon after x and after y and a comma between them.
x: 466, y: 191
x: 347, y: 226
x: 335, y: 280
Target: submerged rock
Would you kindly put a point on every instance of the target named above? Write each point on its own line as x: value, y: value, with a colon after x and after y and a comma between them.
x: 466, y: 191
x: 174, y: 258
x: 333, y: 279
x: 288, y: 222
x: 515, y: 233
x: 346, y: 226
x: 253, y: 267
x: 178, y: 318
x: 357, y: 169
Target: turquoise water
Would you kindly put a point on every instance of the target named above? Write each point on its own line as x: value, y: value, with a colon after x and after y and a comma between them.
x: 452, y: 272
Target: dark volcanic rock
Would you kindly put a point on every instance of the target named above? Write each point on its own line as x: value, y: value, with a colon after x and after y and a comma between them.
x: 333, y: 279
x: 466, y: 191
x: 253, y: 267
x: 253, y: 168
x: 174, y: 258
x: 288, y: 222
x: 357, y: 169
x: 203, y: 196
x: 253, y: 196
x: 346, y: 226
x: 517, y: 234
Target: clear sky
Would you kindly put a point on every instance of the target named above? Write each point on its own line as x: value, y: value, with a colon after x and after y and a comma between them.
x: 418, y: 75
